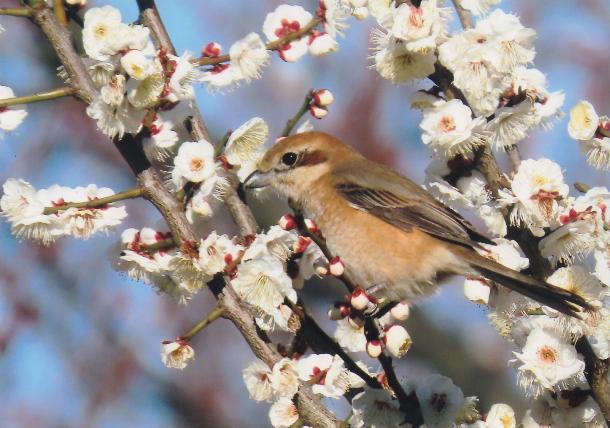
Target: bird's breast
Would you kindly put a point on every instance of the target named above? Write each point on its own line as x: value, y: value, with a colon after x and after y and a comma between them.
x: 401, y: 264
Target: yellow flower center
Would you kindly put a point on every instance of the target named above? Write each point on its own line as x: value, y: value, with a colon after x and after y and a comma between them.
x: 547, y: 354
x: 197, y: 164
x: 101, y: 31
x: 447, y: 124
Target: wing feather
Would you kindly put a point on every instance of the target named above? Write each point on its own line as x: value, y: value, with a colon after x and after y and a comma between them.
x: 399, y: 201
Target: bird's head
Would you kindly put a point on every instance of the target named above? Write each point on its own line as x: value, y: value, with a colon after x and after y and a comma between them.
x: 295, y: 163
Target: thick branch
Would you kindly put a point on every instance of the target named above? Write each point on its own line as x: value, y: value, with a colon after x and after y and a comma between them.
x: 310, y: 408
x: 62, y: 44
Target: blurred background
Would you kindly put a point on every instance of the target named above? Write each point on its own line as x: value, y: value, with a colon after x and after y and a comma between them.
x: 79, y: 343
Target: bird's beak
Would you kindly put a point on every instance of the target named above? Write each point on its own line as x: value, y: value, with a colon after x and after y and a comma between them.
x: 258, y: 179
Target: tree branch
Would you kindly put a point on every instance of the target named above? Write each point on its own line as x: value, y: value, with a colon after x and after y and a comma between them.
x: 96, y: 203
x: 40, y: 96
x: 271, y: 46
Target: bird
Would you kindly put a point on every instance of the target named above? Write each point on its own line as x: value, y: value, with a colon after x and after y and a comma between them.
x: 395, y: 239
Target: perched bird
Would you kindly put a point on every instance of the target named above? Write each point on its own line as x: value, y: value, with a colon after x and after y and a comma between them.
x: 395, y: 239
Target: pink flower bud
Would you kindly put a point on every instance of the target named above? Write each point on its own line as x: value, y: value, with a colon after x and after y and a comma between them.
x: 336, y: 267
x: 323, y: 97
x: 317, y: 112
x: 373, y: 348
x: 359, y: 299
x: 401, y: 311
x: 287, y: 222
x: 397, y: 340
x: 211, y: 50
x: 301, y: 244
x: 311, y: 225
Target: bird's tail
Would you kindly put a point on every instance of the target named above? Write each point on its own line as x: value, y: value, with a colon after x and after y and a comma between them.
x: 557, y: 298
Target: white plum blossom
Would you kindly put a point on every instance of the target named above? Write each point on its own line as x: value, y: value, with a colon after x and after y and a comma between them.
x: 84, y: 222
x: 583, y: 121
x: 597, y: 147
x: 24, y: 209
x: 505, y: 252
x: 511, y: 124
x: 160, y: 138
x: 421, y: 28
x: 501, y: 416
x: 477, y: 291
x: 183, y: 75
x: 276, y: 242
x: 223, y: 76
x: 335, y: 12
x: 140, y: 264
x: 374, y: 408
x: 257, y: 377
x: 514, y: 42
x: 283, y: 413
x: 263, y: 283
x: 538, y: 188
x: 137, y: 65
x: 439, y: 399
x: 194, y: 163
x: 285, y: 378
x: 246, y: 141
x: 397, y: 64
x: 115, y: 121
x: 322, y: 44
x: 327, y: 373
x: 480, y: 58
x: 284, y: 20
x: 216, y: 252
x: 493, y: 218
x: 176, y: 354
x: 10, y: 117
x: 583, y: 227
x: 349, y: 336
x: 450, y: 129
x: 249, y: 55
x: 101, y: 25
x: 547, y: 361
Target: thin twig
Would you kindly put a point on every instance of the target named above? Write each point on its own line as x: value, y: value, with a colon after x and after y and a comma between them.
x: 209, y: 319
x: 40, y: 96
x: 271, y: 46
x: 22, y: 12
x: 96, y: 203
x: 292, y: 122
x: 60, y: 12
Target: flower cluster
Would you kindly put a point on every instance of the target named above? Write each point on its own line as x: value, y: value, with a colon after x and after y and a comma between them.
x: 326, y: 373
x: 46, y: 214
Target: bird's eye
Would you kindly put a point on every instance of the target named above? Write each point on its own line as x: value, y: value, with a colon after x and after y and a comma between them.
x: 289, y: 158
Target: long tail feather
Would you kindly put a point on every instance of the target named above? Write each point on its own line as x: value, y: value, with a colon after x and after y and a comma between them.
x: 557, y: 298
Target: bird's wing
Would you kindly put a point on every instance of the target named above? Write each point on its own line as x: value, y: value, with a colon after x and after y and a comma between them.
x: 397, y: 200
